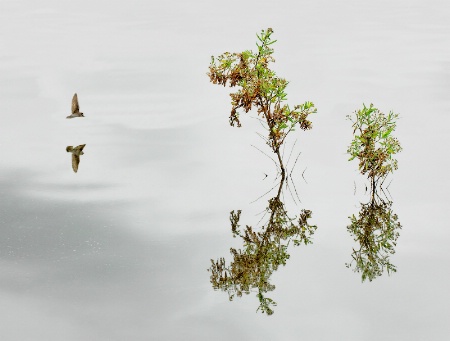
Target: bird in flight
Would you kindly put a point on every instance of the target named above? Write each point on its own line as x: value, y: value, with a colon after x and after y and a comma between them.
x: 76, y: 152
x: 75, y: 108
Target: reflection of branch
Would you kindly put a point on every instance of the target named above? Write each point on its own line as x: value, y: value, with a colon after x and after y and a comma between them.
x: 382, y: 190
x: 290, y: 192
x: 270, y: 190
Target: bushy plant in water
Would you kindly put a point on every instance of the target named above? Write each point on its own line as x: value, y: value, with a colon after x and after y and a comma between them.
x: 376, y: 228
x: 264, y: 249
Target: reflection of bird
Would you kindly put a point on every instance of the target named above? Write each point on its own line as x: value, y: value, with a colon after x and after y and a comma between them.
x: 75, y: 108
x: 76, y: 152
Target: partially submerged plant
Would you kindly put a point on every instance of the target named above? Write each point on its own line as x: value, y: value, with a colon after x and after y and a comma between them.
x: 260, y: 88
x: 373, y: 143
x: 264, y: 251
x: 376, y: 228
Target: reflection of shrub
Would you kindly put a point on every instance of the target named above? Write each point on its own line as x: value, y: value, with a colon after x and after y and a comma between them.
x: 262, y: 254
x: 376, y: 230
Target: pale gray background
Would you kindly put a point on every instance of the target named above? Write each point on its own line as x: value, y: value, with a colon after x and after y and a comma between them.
x: 119, y: 251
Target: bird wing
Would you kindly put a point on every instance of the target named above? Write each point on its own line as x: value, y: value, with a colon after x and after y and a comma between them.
x: 75, y: 105
x: 75, y: 162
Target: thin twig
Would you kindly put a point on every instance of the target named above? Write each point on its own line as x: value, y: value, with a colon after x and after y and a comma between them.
x: 277, y: 177
x: 259, y: 119
x: 276, y: 164
x: 289, y: 188
x: 303, y: 176
x: 387, y: 189
x: 385, y: 193
x: 265, y: 213
x: 262, y: 137
x: 293, y: 146
x: 295, y: 161
x: 295, y: 189
x: 270, y: 190
x: 389, y: 184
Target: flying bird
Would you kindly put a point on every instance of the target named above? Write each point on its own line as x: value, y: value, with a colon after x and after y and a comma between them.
x: 75, y: 108
x: 76, y: 152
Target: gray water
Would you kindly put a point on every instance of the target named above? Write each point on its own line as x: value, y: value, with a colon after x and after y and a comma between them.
x: 119, y: 250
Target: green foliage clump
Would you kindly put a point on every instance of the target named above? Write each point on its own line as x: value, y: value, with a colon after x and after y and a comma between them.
x: 373, y: 143
x: 260, y: 88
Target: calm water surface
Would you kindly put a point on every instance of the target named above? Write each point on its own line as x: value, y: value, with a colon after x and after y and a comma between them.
x: 119, y: 250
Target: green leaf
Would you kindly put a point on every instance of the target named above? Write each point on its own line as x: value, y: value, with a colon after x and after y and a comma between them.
x: 386, y: 134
